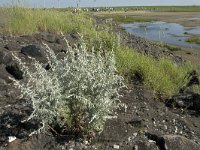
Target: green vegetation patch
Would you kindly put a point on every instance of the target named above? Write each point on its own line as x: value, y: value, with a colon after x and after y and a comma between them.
x: 21, y: 21
x: 127, y: 19
x: 171, y: 47
x: 163, y: 76
x: 195, y: 40
x: 28, y: 20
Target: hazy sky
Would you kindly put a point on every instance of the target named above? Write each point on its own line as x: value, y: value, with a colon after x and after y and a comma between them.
x: 92, y: 3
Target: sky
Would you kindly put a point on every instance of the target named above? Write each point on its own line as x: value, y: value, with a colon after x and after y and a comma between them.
x: 97, y: 3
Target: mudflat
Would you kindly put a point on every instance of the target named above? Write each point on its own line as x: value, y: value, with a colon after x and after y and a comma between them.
x: 176, y: 17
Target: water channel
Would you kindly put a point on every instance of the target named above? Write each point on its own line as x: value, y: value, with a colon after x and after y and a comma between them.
x: 170, y: 33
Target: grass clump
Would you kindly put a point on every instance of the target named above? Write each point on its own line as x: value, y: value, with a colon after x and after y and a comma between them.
x: 127, y: 19
x: 195, y: 40
x: 163, y: 76
x: 77, y: 92
x: 171, y: 47
x: 21, y: 20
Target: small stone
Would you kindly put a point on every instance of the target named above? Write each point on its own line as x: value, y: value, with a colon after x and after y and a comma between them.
x: 135, y: 134
x: 176, y: 129
x: 8, y: 126
x: 86, y: 142
x: 195, y: 125
x: 129, y: 139
x: 137, y: 122
x: 151, y: 141
x: 154, y: 123
x: 135, y: 147
x: 11, y: 138
x: 116, y: 146
x: 192, y: 132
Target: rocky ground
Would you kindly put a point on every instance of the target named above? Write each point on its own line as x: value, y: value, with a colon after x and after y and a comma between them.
x: 146, y: 124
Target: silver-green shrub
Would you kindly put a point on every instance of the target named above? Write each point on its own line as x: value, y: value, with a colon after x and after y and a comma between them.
x: 77, y: 92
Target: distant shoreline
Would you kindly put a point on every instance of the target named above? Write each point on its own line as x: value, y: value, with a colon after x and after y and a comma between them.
x: 117, y: 6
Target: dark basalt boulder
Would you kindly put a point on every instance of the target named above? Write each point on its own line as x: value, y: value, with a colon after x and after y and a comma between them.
x: 143, y: 145
x: 36, y: 142
x: 49, y: 37
x: 176, y: 142
x: 5, y: 56
x: 172, y: 142
x: 185, y: 100
x: 186, y: 97
x: 4, y: 75
x: 14, y: 70
x: 33, y: 51
x: 13, y: 46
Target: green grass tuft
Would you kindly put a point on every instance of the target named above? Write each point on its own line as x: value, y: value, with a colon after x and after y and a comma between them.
x: 195, y: 40
x: 27, y: 21
x: 127, y: 19
x: 171, y: 47
x: 163, y: 76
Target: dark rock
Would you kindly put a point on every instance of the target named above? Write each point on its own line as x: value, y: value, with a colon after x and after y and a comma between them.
x: 5, y: 56
x: 185, y: 100
x: 193, y: 79
x: 60, y: 41
x: 75, y: 36
x: 136, y: 123
x: 12, y: 46
x: 137, y: 78
x: 2, y: 82
x: 33, y: 51
x: 61, y: 55
x: 14, y: 70
x: 176, y: 142
x: 36, y: 142
x: 11, y: 125
x: 49, y: 37
x: 172, y: 142
x: 143, y: 145
x: 160, y: 142
x: 47, y: 67
x: 4, y: 75
x: 56, y: 47
x: 186, y: 97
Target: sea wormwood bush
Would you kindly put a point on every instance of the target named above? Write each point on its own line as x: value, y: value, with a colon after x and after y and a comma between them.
x: 77, y: 92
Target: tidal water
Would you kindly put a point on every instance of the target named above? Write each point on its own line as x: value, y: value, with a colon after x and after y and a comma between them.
x: 170, y: 33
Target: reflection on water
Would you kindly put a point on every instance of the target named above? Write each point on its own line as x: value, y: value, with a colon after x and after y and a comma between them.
x: 170, y: 33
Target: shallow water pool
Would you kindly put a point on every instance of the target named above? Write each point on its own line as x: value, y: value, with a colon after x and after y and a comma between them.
x: 170, y: 33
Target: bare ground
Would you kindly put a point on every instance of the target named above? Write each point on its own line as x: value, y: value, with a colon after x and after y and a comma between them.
x: 147, y: 123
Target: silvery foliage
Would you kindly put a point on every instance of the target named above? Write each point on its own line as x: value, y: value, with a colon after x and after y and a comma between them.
x: 79, y: 90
